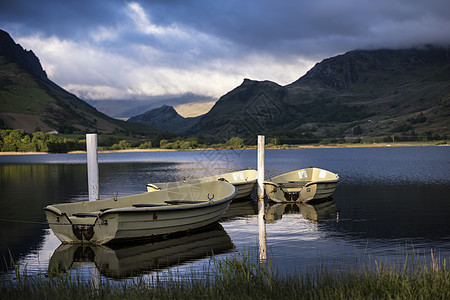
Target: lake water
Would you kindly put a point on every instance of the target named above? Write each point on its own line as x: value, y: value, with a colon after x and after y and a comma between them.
x: 389, y: 201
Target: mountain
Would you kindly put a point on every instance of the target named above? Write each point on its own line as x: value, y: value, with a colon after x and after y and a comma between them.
x: 165, y: 118
x: 31, y: 101
x: 245, y: 112
x: 385, y: 94
x: 379, y: 94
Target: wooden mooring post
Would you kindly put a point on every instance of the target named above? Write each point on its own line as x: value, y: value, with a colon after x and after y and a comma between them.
x: 93, y: 189
x: 92, y: 166
x: 261, y: 212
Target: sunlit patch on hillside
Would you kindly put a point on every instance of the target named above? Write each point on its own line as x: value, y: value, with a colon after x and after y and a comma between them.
x: 194, y: 109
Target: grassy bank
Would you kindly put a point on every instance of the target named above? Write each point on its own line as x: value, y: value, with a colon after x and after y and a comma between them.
x: 240, y: 278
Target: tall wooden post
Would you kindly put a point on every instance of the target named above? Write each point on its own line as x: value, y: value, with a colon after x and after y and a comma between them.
x: 261, y: 213
x: 92, y: 166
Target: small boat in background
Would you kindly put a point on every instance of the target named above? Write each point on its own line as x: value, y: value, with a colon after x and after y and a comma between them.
x: 302, y: 185
x: 244, y: 181
x: 147, y: 215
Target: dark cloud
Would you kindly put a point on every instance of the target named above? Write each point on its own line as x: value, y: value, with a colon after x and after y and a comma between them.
x: 253, y: 24
x: 60, y: 18
x: 307, y: 26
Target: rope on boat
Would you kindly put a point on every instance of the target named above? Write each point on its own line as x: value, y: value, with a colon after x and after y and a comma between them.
x: 33, y: 222
x: 23, y: 221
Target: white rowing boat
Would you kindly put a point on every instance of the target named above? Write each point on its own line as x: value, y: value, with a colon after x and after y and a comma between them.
x: 302, y: 185
x: 147, y: 215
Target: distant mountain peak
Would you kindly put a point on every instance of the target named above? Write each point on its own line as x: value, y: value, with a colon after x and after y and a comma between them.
x: 248, y: 81
x: 157, y: 116
x: 166, y: 118
x: 168, y: 109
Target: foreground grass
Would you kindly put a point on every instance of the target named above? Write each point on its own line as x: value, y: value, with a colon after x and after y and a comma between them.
x: 240, y: 278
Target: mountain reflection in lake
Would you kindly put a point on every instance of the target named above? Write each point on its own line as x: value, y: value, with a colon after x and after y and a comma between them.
x: 387, y: 199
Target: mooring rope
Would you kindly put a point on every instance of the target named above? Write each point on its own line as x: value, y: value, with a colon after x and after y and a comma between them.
x: 33, y: 222
x: 23, y: 221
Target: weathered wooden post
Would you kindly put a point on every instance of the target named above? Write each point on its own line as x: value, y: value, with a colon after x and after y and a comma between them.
x: 93, y: 189
x: 261, y: 213
x: 92, y: 166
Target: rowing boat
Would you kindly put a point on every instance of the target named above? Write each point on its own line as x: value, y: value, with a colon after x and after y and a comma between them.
x: 145, y: 215
x: 302, y: 185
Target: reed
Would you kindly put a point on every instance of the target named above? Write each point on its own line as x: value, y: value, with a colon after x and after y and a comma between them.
x: 245, y: 277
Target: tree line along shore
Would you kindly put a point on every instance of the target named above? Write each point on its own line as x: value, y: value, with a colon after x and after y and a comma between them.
x: 17, y: 141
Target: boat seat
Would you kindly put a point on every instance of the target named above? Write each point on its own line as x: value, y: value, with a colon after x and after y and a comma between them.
x: 292, y: 184
x: 175, y: 202
x: 85, y: 215
x: 148, y: 205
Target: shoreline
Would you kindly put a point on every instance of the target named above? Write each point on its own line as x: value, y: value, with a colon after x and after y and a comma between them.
x: 315, y: 146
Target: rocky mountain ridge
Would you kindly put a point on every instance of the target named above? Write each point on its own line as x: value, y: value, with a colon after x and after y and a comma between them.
x: 364, y: 94
x: 24, y: 58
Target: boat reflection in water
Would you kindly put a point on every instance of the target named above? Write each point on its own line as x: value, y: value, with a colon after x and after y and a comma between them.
x: 313, y: 211
x: 128, y: 260
x: 241, y: 209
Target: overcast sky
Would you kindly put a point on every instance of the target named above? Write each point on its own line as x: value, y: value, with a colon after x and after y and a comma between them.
x: 118, y: 49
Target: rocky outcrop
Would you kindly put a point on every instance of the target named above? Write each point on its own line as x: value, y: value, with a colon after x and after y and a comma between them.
x: 24, y: 58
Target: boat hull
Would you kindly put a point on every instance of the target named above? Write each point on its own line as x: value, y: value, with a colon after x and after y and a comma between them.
x: 140, y: 216
x: 302, y: 186
x: 244, y: 190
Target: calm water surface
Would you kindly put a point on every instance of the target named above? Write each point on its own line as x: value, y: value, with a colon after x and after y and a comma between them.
x: 389, y: 201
